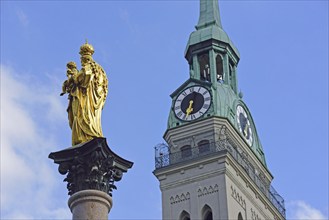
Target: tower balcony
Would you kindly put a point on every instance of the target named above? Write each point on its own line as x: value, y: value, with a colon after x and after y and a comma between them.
x: 166, y: 159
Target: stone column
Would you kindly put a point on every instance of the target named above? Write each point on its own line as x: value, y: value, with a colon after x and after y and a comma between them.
x: 90, y: 204
x: 196, y: 67
x: 213, y: 67
x: 92, y: 168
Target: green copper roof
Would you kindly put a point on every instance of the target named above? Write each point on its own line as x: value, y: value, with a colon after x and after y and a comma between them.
x: 209, y: 26
x: 209, y: 14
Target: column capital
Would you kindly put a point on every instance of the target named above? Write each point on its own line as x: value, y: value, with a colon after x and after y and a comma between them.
x: 90, y: 166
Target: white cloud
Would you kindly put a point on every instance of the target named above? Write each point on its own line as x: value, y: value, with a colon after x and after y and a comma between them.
x: 125, y: 17
x: 22, y: 17
x: 30, y: 187
x: 300, y: 210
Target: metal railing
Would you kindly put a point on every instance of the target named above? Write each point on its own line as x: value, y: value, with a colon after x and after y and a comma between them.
x: 164, y: 158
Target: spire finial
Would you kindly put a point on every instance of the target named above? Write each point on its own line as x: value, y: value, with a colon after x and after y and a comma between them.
x: 209, y: 14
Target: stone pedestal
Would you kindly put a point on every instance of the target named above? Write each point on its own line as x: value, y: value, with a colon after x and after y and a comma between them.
x: 91, y: 169
x: 90, y: 204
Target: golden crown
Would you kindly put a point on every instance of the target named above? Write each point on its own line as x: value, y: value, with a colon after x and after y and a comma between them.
x: 86, y: 49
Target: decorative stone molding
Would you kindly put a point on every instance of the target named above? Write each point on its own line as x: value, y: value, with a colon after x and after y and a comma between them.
x: 222, y: 133
x: 236, y: 195
x: 202, y: 136
x: 207, y: 190
x: 179, y: 198
x: 185, y: 141
x: 90, y: 166
x: 227, y: 142
x: 254, y: 215
x: 224, y: 139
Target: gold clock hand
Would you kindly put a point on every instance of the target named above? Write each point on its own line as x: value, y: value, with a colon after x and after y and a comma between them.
x: 245, y: 130
x: 189, y: 109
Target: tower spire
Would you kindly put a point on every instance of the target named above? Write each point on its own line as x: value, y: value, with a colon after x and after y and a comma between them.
x: 209, y: 27
x: 209, y: 14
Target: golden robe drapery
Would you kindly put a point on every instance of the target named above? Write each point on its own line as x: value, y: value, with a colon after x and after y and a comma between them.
x: 87, y: 102
x: 87, y: 90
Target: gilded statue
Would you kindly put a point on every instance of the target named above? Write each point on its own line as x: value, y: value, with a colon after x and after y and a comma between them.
x: 87, y: 90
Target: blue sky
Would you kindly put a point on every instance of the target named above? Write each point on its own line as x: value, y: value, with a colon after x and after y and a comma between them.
x: 283, y: 73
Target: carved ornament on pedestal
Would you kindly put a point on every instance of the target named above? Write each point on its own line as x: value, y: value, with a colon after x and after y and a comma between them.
x: 90, y: 165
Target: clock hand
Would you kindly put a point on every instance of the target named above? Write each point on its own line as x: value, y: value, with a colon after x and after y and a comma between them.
x: 189, y: 110
x: 245, y: 130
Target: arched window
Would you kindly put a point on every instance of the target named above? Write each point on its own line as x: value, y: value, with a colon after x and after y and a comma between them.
x: 184, y: 216
x: 240, y: 216
x: 219, y: 68
x: 204, y: 146
x: 232, y: 76
x: 186, y: 151
x: 204, y: 67
x: 206, y: 213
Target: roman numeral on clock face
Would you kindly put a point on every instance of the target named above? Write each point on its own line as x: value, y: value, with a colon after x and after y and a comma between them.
x: 205, y: 106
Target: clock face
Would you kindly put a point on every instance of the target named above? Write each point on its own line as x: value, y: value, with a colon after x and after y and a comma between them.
x: 192, y: 103
x: 244, y: 124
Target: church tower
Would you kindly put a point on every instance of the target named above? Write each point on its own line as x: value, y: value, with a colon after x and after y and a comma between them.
x: 213, y: 165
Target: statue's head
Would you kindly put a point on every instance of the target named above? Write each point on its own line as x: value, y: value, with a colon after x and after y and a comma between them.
x: 86, y: 52
x: 71, y: 68
x: 71, y: 65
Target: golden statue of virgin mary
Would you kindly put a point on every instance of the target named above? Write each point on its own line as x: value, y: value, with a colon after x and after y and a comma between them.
x: 87, y: 91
